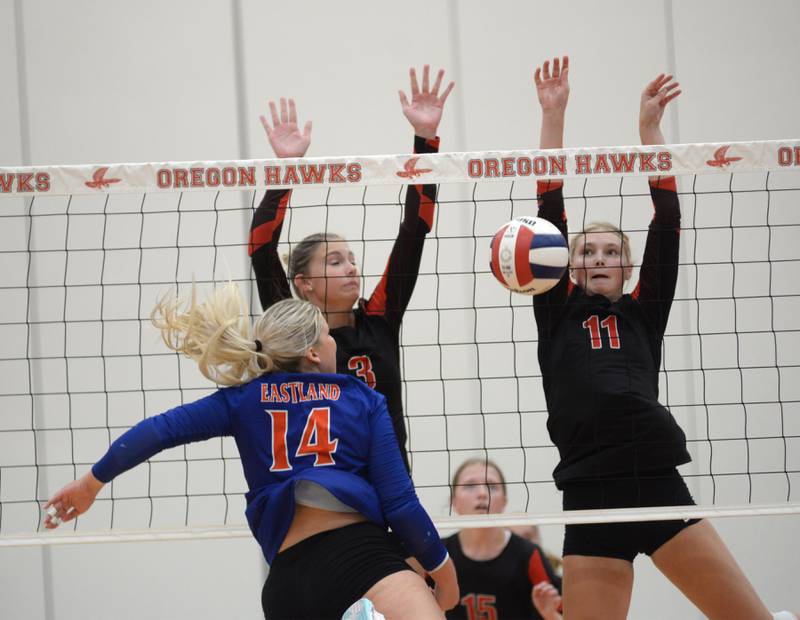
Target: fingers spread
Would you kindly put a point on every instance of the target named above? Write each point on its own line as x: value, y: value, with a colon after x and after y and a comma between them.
x: 672, y: 96
x: 284, y: 112
x: 274, y: 113
x: 447, y: 90
x: 414, y: 85
x: 266, y: 126
x: 438, y: 82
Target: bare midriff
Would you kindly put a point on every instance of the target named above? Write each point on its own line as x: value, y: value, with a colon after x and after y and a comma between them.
x: 309, y: 521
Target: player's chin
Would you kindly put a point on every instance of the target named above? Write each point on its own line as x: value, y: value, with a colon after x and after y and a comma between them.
x: 348, y: 294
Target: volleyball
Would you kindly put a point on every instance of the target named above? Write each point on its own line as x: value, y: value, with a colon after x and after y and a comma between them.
x: 528, y: 255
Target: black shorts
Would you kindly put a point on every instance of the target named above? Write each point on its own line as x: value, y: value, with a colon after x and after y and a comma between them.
x: 625, y: 540
x: 321, y: 576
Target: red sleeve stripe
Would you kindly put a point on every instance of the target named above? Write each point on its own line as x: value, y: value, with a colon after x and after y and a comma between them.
x: 426, y: 207
x: 377, y: 301
x: 536, y: 570
x: 433, y: 142
x: 667, y: 183
x: 262, y: 234
x: 542, y: 187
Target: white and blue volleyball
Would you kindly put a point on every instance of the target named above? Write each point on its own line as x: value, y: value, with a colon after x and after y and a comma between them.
x: 528, y: 255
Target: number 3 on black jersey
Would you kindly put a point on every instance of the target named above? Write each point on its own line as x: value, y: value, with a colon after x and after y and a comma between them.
x: 316, y: 438
x: 593, y: 324
x: 363, y: 367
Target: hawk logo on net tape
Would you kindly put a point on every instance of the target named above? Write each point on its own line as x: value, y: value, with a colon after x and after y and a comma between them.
x: 721, y: 160
x: 99, y: 180
x: 410, y: 170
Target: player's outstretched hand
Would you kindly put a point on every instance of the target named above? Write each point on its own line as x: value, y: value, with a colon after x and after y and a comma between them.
x: 425, y: 109
x: 547, y: 600
x: 72, y: 500
x: 553, y: 88
x: 655, y: 97
x: 283, y: 134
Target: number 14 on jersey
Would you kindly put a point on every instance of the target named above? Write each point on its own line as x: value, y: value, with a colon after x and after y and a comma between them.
x: 316, y: 439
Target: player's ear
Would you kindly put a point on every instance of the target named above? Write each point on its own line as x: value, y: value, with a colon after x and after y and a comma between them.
x: 627, y: 272
x: 303, y: 285
x: 310, y: 361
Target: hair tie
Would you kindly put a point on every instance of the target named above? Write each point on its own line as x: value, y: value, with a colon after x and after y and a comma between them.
x: 258, y: 345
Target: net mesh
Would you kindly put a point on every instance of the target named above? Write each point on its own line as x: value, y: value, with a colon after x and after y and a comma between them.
x: 80, y: 363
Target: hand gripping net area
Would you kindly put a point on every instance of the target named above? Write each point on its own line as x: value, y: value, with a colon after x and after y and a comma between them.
x: 86, y: 250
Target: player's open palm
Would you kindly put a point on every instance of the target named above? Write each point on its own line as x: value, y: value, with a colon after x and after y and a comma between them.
x: 72, y: 500
x: 552, y: 88
x: 424, y: 111
x: 655, y: 97
x: 284, y: 134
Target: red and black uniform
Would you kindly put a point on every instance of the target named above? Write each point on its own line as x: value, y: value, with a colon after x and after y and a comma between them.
x: 499, y: 588
x: 371, y: 349
x: 619, y: 446
x: 600, y: 359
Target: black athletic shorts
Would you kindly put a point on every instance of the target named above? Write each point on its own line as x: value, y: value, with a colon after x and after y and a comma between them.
x: 625, y: 540
x: 321, y: 576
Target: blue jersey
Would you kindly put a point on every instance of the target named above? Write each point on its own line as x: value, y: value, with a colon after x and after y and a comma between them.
x: 326, y: 428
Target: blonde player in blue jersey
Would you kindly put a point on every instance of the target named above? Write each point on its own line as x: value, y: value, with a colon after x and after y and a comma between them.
x: 319, y: 454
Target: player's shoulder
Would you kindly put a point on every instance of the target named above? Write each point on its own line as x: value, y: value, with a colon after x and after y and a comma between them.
x: 452, y: 544
x: 351, y: 387
x: 522, y: 546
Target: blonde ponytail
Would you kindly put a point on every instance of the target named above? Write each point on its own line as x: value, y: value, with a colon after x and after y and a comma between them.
x: 218, y: 336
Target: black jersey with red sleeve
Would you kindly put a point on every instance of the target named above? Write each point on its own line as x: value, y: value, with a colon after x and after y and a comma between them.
x: 600, y: 359
x: 499, y: 588
x: 370, y: 349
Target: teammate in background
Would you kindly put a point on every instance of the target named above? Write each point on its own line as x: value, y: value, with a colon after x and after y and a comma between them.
x: 600, y: 351
x: 497, y: 570
x: 322, y: 268
x: 319, y: 454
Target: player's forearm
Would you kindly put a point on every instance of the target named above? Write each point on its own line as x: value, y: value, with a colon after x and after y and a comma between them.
x: 650, y: 134
x: 551, y: 135
x: 265, y: 228
x: 133, y: 447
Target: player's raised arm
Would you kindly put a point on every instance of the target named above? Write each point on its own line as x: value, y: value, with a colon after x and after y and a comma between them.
x: 286, y: 140
x: 424, y: 111
x: 659, y: 272
x: 655, y: 97
x: 552, y: 90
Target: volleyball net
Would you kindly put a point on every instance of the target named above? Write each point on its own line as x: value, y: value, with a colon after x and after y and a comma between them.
x: 87, y: 250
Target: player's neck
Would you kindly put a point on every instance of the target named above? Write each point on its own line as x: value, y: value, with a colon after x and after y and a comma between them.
x: 340, y: 318
x: 483, y: 543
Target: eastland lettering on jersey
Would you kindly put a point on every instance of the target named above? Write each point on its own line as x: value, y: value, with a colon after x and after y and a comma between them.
x: 297, y: 392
